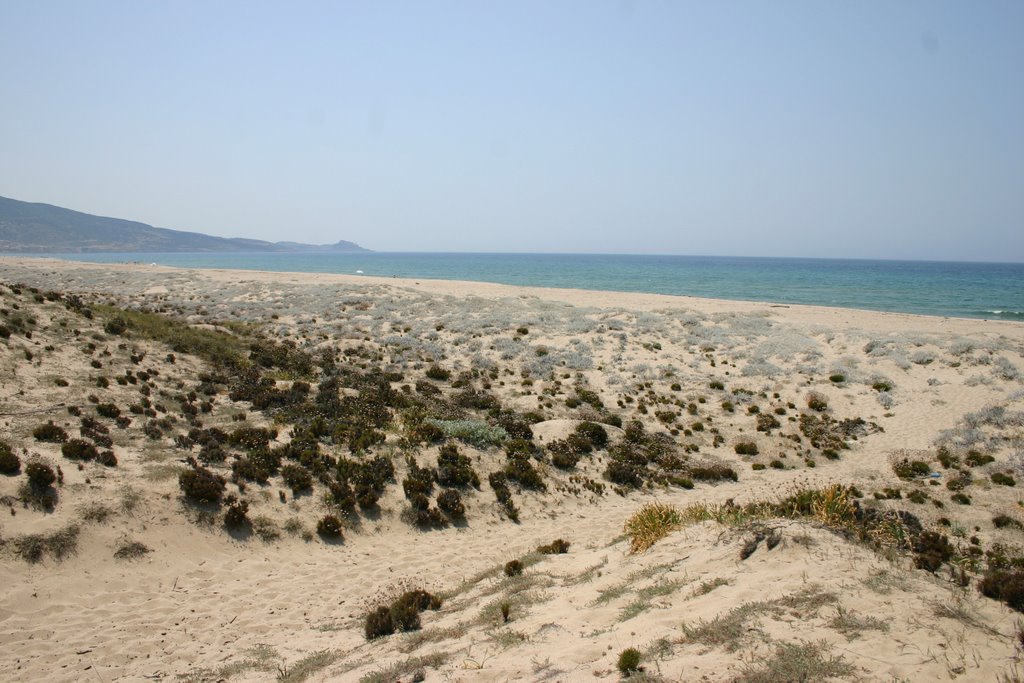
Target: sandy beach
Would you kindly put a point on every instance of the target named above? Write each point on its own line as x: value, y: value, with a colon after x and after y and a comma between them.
x: 710, y: 407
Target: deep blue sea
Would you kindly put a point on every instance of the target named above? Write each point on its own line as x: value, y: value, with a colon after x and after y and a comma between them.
x: 971, y: 290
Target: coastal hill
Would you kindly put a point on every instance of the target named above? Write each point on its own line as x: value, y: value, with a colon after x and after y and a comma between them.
x: 27, y: 227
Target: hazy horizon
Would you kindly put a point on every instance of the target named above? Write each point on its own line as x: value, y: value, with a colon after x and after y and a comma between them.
x: 880, y: 131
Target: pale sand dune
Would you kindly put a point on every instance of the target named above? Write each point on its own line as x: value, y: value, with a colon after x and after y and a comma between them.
x: 202, y: 604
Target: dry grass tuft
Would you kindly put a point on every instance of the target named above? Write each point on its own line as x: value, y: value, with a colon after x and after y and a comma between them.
x: 650, y: 524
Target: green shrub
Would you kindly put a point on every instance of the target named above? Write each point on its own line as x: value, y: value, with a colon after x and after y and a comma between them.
x: 475, y: 432
x: 499, y: 484
x: 436, y: 372
x: 297, y: 478
x: 108, y: 410
x: 907, y: 469
x: 79, y: 449
x: 594, y: 433
x: 520, y: 469
x: 817, y: 401
x: 976, y: 459
x: 200, y: 485
x: 1005, y: 586
x: 10, y: 463
x: 931, y: 550
x: 330, y: 527
x: 746, y: 448
x: 50, y: 432
x: 1003, y: 479
x: 236, y: 515
x: 40, y: 475
x: 116, y: 325
x: 712, y: 472
x: 629, y: 661
x: 556, y: 547
x: 563, y: 459
x: 838, y: 378
x: 379, y: 623
x: 624, y: 473
x: 455, y: 469
x: 450, y: 503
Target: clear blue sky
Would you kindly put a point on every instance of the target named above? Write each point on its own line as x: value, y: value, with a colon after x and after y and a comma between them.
x: 861, y: 129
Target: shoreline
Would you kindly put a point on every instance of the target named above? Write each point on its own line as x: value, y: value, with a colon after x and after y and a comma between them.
x: 775, y: 303
x: 857, y: 317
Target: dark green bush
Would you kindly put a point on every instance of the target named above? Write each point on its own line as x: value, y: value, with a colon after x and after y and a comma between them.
x: 330, y: 527
x: 1005, y: 586
x: 931, y: 550
x: 767, y: 422
x: 10, y: 463
x: 436, y: 372
x: 594, y: 433
x: 817, y: 402
x: 296, y: 477
x: 629, y: 661
x: 236, y: 514
x: 379, y: 623
x: 556, y: 547
x: 563, y: 459
x: 200, y: 485
x: 455, y: 469
x: 976, y: 459
x: 1003, y: 479
x: 746, y: 448
x: 499, y: 484
x: 40, y: 475
x: 712, y: 472
x: 907, y: 469
x: 108, y: 410
x: 624, y: 473
x: 450, y: 502
x: 50, y: 432
x: 79, y: 449
x: 521, y: 470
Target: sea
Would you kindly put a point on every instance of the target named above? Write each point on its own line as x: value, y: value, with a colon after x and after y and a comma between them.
x: 966, y: 290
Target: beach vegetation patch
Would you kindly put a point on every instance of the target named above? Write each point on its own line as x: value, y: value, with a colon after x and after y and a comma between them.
x: 213, y: 345
x: 58, y: 544
x: 474, y: 432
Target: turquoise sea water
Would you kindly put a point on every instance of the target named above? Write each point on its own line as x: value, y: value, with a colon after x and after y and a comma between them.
x: 972, y: 290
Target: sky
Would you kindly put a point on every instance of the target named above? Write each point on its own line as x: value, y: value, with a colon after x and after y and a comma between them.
x: 851, y: 130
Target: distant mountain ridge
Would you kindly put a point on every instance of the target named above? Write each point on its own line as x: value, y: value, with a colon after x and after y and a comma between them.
x: 27, y: 227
